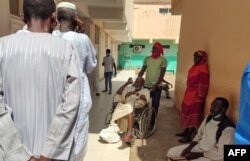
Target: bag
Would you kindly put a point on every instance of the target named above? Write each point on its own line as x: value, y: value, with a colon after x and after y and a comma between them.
x: 110, y: 134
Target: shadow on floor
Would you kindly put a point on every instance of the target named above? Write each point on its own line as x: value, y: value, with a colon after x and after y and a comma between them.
x: 155, y: 147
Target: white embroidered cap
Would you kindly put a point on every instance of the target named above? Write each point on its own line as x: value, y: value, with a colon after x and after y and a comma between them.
x: 66, y: 5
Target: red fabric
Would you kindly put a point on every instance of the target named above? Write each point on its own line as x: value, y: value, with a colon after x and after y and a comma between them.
x: 158, y: 53
x: 196, y: 92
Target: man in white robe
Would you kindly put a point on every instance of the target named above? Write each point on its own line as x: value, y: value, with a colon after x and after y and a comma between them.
x: 40, y: 84
x: 67, y: 17
x: 208, y: 145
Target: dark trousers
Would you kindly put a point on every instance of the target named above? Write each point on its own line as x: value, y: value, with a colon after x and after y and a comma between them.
x: 108, y: 80
x: 156, y: 96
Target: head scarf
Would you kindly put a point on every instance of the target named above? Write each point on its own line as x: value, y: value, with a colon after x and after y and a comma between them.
x: 158, y: 53
x: 204, y: 56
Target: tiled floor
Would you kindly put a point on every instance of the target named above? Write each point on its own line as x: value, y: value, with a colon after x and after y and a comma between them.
x: 153, y: 148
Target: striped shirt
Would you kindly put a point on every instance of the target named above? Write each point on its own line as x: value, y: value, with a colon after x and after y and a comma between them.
x: 40, y: 82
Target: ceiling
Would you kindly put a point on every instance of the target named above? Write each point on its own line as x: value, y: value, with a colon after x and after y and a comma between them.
x: 114, y: 16
x: 109, y: 13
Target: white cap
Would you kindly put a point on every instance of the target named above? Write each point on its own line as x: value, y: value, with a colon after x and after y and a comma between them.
x: 66, y: 5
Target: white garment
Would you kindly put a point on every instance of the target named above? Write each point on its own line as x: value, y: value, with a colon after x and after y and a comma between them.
x: 40, y: 79
x: 88, y: 61
x: 126, y: 105
x: 84, y: 47
x: 131, y: 99
x: 206, y: 138
x: 175, y: 152
x: 108, y: 63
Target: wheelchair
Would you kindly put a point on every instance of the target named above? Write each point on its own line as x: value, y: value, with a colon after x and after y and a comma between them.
x: 143, y: 125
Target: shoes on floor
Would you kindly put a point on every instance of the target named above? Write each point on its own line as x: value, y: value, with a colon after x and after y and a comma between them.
x: 110, y: 92
x: 97, y: 94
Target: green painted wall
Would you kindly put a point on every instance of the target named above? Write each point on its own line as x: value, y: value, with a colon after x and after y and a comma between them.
x: 129, y: 59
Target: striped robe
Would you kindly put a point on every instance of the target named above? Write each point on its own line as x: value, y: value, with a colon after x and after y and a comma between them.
x: 88, y: 62
x: 40, y: 90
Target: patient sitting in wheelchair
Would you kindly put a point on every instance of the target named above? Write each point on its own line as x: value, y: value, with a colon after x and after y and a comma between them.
x: 126, y: 99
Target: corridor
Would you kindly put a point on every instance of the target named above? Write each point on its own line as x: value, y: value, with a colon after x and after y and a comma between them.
x: 151, y: 149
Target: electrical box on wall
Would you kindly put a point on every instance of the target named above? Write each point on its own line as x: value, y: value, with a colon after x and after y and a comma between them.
x: 137, y: 48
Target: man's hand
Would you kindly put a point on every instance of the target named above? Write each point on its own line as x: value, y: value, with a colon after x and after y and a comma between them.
x: 79, y: 26
x: 130, y: 80
x: 193, y: 155
x: 42, y: 158
x: 152, y: 89
x: 186, y: 151
x: 33, y: 159
x: 115, y: 74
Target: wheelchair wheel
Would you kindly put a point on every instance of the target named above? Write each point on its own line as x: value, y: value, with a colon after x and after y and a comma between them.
x: 146, y: 129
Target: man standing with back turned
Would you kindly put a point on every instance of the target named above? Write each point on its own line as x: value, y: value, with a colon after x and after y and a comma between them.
x: 68, y: 20
x: 39, y: 89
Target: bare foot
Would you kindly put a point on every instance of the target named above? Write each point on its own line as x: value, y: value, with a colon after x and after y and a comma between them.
x: 127, y: 138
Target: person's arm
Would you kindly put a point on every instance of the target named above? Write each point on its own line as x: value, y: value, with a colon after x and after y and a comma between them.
x: 203, y: 84
x: 42, y: 158
x: 142, y: 71
x: 171, y: 85
x: 165, y: 81
x: 217, y: 152
x: 114, y: 66
x: 121, y: 89
x: 144, y: 95
x: 91, y: 61
x: 168, y: 84
x: 196, y: 139
x: 189, y: 148
x: 103, y: 61
x: 60, y: 136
